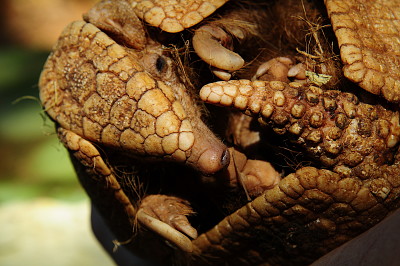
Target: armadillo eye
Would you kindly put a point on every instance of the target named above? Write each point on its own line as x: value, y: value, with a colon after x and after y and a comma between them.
x: 160, y: 64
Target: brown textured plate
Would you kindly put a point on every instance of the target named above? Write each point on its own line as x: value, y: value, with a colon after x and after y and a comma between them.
x: 368, y: 34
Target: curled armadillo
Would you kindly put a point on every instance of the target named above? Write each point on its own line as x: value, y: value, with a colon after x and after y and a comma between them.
x: 143, y: 152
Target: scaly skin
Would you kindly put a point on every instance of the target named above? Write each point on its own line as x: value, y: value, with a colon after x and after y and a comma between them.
x: 308, y: 214
x: 174, y: 16
x: 126, y: 100
x: 368, y: 34
x: 334, y: 127
x: 110, y: 95
x: 322, y: 209
x: 125, y: 106
x: 313, y: 211
x: 146, y: 113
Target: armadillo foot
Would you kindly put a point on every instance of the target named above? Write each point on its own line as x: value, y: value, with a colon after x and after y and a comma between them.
x: 167, y: 216
x: 286, y: 70
x: 274, y: 69
x: 255, y: 176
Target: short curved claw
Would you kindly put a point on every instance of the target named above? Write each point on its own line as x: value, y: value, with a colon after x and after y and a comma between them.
x: 214, y: 46
x: 167, y: 216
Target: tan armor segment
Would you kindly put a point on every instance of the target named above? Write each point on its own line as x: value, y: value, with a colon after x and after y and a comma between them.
x: 334, y: 127
x: 175, y: 16
x: 105, y: 93
x: 111, y: 88
x: 308, y: 214
x: 90, y: 158
x: 368, y: 37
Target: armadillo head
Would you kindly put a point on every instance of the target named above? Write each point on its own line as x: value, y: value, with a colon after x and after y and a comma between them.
x: 128, y: 96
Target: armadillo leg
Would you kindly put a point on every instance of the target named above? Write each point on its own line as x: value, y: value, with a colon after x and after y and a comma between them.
x: 330, y: 125
x: 308, y: 214
x: 172, y: 219
x: 90, y: 158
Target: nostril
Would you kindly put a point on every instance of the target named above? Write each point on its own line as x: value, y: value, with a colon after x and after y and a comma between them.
x: 214, y: 159
x: 225, y: 159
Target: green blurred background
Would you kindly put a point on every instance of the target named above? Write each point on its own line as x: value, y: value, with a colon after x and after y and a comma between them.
x: 43, y: 209
x: 33, y: 163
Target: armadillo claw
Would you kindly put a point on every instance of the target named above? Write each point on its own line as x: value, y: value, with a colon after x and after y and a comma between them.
x: 167, y: 216
x: 221, y: 74
x: 213, y: 45
x: 165, y: 230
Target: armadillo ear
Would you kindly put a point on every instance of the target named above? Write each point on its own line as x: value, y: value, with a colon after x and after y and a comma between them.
x: 118, y: 19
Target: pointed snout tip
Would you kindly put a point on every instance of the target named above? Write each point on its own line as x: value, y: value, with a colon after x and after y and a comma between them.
x: 214, y: 160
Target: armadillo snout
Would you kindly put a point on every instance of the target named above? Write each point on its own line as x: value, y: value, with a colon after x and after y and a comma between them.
x: 213, y: 160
